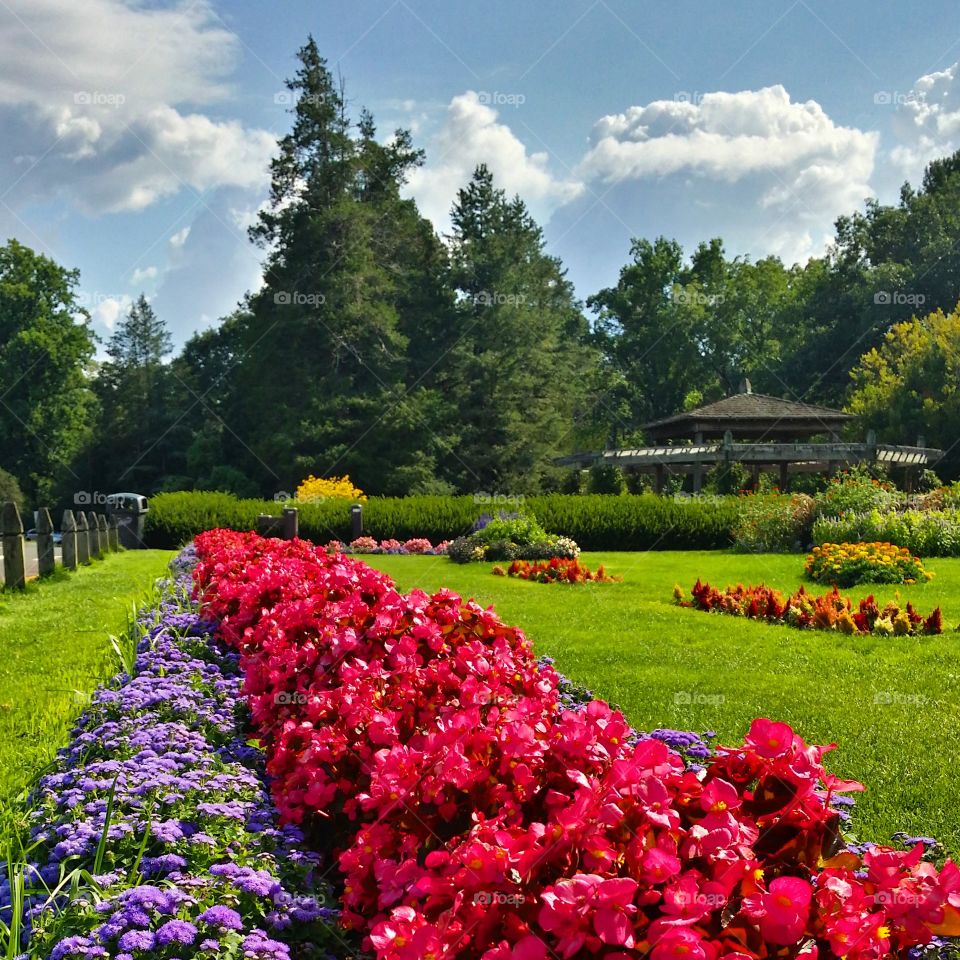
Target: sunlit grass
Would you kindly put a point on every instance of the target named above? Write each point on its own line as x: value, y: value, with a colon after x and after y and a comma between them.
x: 891, y: 704
x: 55, y: 647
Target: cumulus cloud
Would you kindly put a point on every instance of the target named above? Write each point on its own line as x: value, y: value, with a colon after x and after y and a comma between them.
x: 106, y: 310
x: 472, y: 134
x: 927, y: 121
x: 140, y: 275
x: 179, y: 238
x: 802, y: 158
x: 93, y: 98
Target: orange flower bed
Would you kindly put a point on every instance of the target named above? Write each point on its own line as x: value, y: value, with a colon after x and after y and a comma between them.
x: 556, y: 570
x: 831, y: 611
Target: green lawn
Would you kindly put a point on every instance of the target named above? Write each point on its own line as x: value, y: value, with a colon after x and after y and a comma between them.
x: 54, y: 650
x: 892, y: 705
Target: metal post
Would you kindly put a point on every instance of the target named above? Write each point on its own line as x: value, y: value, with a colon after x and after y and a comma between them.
x: 291, y: 523
x: 356, y: 521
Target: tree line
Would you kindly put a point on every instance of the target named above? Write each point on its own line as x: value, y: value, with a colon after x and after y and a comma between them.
x: 421, y: 364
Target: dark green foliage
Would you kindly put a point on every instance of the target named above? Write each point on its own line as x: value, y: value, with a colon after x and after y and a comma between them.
x: 133, y: 446
x: 10, y: 490
x: 605, y: 478
x: 595, y: 522
x: 727, y: 478
x: 45, y: 346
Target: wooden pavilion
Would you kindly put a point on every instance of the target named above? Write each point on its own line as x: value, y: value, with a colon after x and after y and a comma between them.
x: 763, y: 433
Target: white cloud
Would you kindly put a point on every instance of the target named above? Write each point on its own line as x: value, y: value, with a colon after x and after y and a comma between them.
x: 107, y: 310
x: 470, y: 135
x: 787, y: 163
x: 99, y: 103
x: 180, y: 238
x: 139, y: 276
x: 733, y: 136
x: 927, y: 122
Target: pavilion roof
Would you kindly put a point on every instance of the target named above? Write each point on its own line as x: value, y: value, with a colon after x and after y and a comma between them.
x: 753, y: 411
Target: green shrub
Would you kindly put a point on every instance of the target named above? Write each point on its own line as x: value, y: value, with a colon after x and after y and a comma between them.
x: 605, y: 478
x: 10, y: 490
x: 594, y: 521
x: 727, y: 478
x: 856, y: 491
x: 774, y: 523
x: 521, y: 530
x: 928, y: 533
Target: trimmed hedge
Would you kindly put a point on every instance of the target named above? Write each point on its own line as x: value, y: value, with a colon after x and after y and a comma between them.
x: 596, y: 522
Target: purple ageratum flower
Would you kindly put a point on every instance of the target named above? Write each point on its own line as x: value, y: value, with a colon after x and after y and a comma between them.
x: 223, y: 917
x: 176, y: 931
x: 137, y: 940
x: 258, y: 946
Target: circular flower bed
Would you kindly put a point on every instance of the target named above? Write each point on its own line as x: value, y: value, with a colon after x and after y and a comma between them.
x: 846, y: 564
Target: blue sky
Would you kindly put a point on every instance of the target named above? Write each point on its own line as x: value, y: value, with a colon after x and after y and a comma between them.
x: 136, y: 136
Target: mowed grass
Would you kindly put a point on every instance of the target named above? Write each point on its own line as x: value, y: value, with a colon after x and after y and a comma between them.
x: 892, y: 705
x: 54, y: 650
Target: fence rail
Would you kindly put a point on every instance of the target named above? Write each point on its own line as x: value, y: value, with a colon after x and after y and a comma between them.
x: 85, y: 537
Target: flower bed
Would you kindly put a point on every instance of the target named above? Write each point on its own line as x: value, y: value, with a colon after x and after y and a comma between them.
x: 556, y: 570
x: 929, y: 533
x: 154, y: 835
x: 510, y: 536
x: 830, y: 611
x: 847, y: 564
x: 475, y: 816
x: 416, y: 545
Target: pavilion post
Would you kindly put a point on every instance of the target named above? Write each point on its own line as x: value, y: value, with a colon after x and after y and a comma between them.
x: 698, y: 466
x: 784, y: 476
x: 659, y: 477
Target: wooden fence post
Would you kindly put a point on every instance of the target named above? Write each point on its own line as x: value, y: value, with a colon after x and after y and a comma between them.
x: 14, y: 564
x: 83, y: 538
x: 68, y: 546
x: 113, y: 533
x: 102, y: 533
x: 45, y: 555
x: 93, y: 532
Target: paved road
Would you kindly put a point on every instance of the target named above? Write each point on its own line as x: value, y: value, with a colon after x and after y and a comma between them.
x: 30, y: 551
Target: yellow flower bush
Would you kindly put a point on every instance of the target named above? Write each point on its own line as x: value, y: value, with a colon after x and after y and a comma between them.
x: 317, y: 489
x: 846, y: 564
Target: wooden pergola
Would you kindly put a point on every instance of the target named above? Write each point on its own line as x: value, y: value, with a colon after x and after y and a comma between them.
x: 759, y: 431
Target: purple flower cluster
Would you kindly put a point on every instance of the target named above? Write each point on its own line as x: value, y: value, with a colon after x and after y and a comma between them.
x: 154, y: 835
x: 692, y: 746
